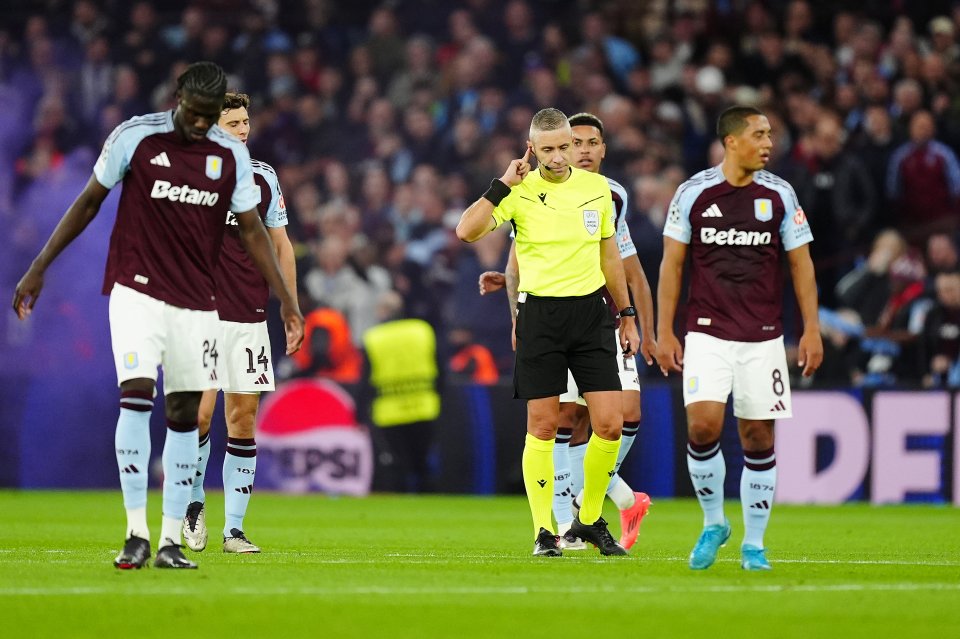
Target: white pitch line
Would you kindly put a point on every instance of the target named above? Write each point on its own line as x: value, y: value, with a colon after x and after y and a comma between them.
x: 152, y: 589
x: 587, y: 557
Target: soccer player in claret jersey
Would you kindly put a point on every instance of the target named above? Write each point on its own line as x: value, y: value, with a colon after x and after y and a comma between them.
x: 574, y: 428
x: 181, y: 174
x: 736, y: 218
x: 242, y: 294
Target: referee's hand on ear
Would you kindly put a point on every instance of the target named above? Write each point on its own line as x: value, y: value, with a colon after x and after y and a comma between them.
x: 517, y: 170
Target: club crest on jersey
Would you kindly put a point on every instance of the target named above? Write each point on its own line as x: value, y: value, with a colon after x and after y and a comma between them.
x: 591, y: 220
x: 131, y: 360
x: 215, y: 167
x: 763, y: 209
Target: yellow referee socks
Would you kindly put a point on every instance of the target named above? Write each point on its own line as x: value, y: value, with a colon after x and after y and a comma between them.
x: 598, y: 463
x: 538, y: 480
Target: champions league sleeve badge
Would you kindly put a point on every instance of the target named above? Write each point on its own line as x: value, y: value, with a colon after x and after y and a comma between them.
x: 591, y: 220
x: 763, y: 209
x: 215, y: 167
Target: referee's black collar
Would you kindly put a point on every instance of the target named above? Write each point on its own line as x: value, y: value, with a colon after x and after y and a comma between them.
x: 540, y: 171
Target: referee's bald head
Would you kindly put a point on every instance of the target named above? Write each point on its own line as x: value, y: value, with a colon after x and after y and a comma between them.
x: 548, y: 120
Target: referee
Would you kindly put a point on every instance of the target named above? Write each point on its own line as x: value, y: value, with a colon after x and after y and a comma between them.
x: 562, y: 217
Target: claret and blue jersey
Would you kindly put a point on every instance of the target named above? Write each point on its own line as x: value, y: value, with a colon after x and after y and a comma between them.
x: 242, y: 291
x: 735, y: 236
x: 175, y: 198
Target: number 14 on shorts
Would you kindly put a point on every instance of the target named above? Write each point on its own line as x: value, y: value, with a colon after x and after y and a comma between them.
x: 261, y: 360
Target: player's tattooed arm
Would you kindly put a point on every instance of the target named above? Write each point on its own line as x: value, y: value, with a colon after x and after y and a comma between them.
x: 511, y: 276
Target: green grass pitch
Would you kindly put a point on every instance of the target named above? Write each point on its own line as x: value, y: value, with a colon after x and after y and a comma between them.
x: 394, y: 566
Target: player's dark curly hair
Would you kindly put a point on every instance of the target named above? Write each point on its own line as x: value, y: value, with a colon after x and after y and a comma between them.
x: 586, y: 119
x: 205, y: 79
x: 734, y: 120
x: 233, y: 100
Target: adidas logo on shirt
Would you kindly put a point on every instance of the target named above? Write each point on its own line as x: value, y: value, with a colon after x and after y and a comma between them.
x: 712, y: 211
x: 262, y: 379
x: 161, y: 160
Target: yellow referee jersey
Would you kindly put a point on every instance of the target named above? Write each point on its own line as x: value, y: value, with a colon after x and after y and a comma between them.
x: 558, y: 228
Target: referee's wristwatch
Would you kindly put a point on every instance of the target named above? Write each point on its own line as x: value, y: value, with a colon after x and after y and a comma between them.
x: 627, y: 311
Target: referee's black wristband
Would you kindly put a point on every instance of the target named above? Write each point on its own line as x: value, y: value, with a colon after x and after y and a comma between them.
x: 627, y: 311
x: 497, y: 191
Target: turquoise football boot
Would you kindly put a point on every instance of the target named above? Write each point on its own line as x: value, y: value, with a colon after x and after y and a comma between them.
x: 705, y: 552
x: 753, y: 558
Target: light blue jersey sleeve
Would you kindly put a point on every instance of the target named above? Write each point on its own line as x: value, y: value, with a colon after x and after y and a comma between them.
x: 276, y: 216
x: 678, y: 225
x: 794, y: 229
x: 117, y: 152
x: 246, y: 193
x: 621, y: 202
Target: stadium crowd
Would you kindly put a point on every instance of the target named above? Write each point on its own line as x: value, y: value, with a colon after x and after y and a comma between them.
x: 385, y: 120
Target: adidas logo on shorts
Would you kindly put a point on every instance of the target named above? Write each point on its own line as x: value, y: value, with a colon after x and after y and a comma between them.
x: 263, y: 379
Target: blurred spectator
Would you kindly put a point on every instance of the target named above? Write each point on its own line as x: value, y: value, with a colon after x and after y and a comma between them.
x: 95, y: 84
x: 923, y: 182
x: 403, y: 382
x: 836, y: 189
x: 518, y: 43
x: 619, y: 55
x: 941, y: 334
x: 327, y: 350
x: 88, y: 22
x: 471, y: 362
x: 941, y: 255
x: 867, y: 289
x: 140, y: 47
x: 874, y: 145
x: 384, y: 43
x: 418, y: 70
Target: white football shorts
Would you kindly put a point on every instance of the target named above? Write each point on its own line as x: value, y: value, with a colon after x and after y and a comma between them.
x: 629, y: 378
x: 246, y: 367
x: 147, y: 333
x: 755, y: 372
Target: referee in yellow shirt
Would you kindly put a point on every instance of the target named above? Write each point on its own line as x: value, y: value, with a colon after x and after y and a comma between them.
x: 567, y: 250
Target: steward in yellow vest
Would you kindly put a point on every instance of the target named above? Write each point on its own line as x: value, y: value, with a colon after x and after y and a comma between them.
x: 402, y: 357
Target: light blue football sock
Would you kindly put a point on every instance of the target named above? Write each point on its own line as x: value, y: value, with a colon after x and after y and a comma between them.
x: 132, y: 449
x: 196, y: 493
x: 180, y: 452
x: 239, y: 470
x: 562, y: 492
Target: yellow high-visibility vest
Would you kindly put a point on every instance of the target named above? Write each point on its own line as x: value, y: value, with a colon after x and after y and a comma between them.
x: 403, y: 369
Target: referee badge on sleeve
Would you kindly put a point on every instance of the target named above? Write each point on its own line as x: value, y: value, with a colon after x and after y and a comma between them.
x: 591, y: 220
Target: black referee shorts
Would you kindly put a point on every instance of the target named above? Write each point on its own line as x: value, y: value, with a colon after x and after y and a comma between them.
x: 557, y: 333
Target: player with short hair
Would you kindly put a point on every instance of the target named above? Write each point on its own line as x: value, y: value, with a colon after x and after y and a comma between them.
x: 242, y: 295
x: 563, y: 220
x: 736, y: 218
x: 181, y: 174
x: 589, y: 150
